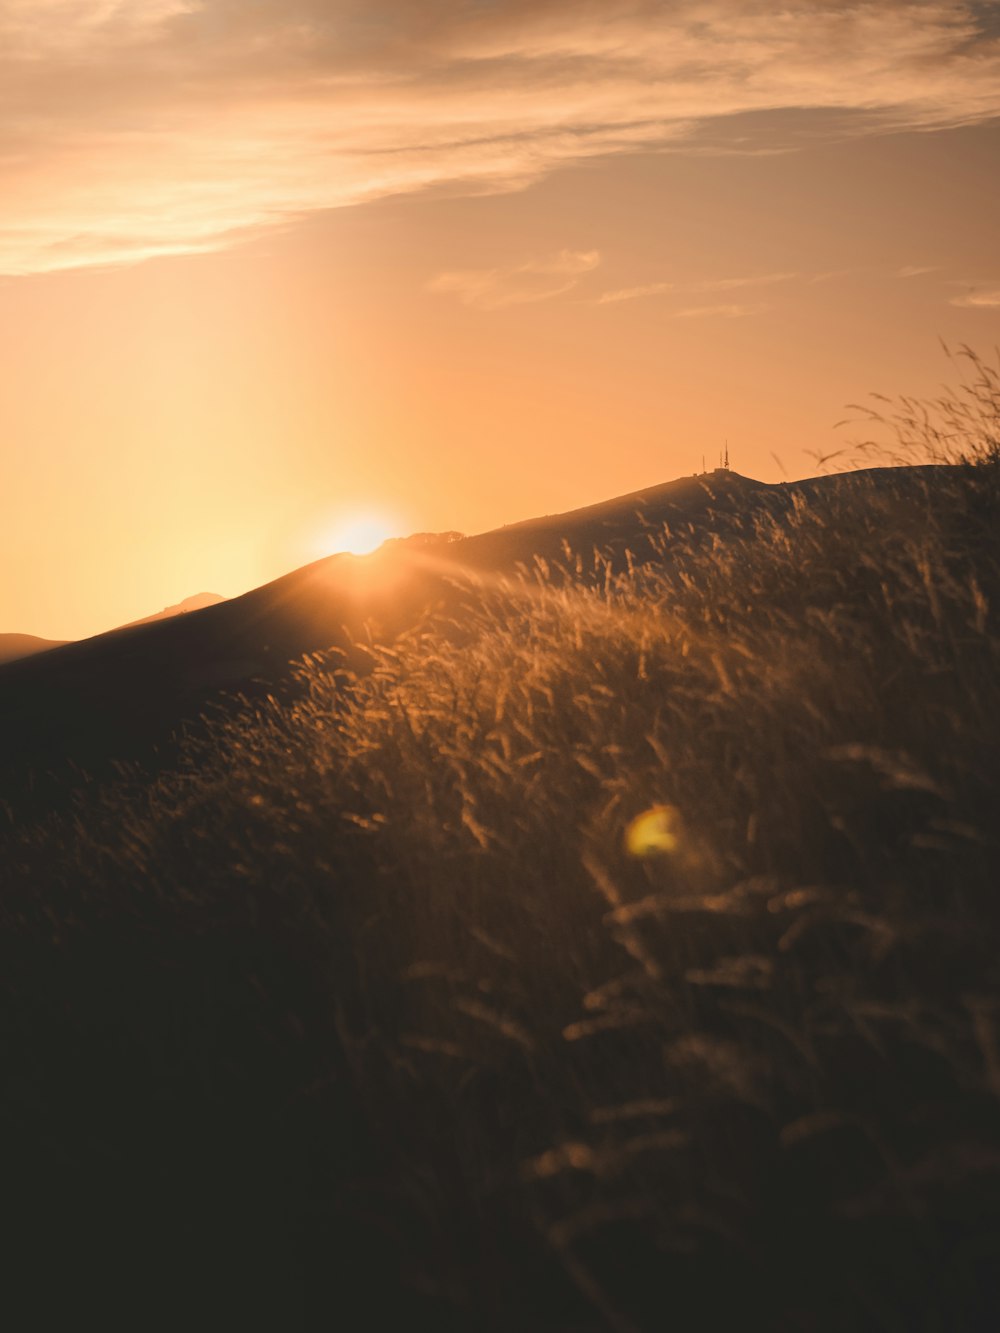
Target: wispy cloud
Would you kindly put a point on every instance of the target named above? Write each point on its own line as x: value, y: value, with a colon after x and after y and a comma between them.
x: 917, y: 270
x: 518, y: 284
x: 702, y: 285
x: 142, y: 127
x: 728, y: 284
x: 979, y: 298
x: 636, y: 293
x: 719, y: 311
x: 831, y: 275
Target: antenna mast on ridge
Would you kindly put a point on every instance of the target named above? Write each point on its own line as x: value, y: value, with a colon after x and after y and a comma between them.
x: 726, y: 464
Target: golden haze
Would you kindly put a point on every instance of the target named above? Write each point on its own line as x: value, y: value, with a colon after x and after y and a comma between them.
x: 580, y: 255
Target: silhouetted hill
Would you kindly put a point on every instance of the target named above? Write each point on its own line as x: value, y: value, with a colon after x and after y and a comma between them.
x: 614, y: 950
x: 699, y: 507
x: 198, y: 602
x: 122, y: 696
x: 14, y: 646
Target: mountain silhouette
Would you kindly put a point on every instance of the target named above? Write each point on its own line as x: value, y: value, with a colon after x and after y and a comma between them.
x: 13, y: 646
x: 124, y: 696
x: 198, y: 602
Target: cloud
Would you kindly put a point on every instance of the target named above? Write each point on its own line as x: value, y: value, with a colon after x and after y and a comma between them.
x: 719, y: 311
x: 979, y: 299
x: 635, y: 293
x: 519, y: 284
x: 831, y: 275
x: 131, y: 128
x: 706, y: 285
x: 727, y: 284
x: 917, y: 270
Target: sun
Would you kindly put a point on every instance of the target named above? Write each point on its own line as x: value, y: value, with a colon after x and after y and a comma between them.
x: 358, y: 534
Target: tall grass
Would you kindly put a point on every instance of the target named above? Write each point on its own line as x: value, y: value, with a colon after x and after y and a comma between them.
x: 961, y: 425
x: 598, y: 956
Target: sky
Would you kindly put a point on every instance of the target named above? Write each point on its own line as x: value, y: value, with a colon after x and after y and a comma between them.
x: 270, y: 265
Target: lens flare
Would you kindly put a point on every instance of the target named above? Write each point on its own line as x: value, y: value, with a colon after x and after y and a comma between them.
x: 656, y: 832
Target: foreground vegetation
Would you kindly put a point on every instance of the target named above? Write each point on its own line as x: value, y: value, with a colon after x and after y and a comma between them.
x: 609, y: 952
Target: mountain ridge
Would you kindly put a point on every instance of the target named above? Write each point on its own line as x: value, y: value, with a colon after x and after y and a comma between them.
x: 125, y: 695
x: 15, y: 646
x: 197, y: 602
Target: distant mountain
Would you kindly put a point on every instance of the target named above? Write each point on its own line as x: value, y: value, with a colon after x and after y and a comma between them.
x: 198, y: 602
x: 127, y: 695
x: 13, y: 646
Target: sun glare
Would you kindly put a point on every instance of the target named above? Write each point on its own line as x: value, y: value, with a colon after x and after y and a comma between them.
x: 358, y: 534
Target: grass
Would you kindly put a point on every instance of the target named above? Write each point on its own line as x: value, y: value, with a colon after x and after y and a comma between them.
x: 370, y: 1007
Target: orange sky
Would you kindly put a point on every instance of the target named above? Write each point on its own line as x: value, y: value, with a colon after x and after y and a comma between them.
x: 263, y: 265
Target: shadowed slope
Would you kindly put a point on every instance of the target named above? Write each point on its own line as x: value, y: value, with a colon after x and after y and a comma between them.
x: 122, y: 696
x: 15, y: 646
x: 626, y: 519
x: 637, y: 941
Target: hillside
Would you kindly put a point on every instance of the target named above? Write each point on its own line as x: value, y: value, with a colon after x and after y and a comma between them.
x: 122, y: 696
x: 198, y: 602
x: 600, y: 951
x: 14, y: 646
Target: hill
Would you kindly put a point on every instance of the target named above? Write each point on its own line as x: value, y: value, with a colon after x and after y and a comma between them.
x: 123, y: 696
x: 604, y: 944
x: 13, y: 646
x: 587, y: 947
x: 198, y: 602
